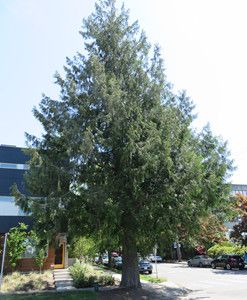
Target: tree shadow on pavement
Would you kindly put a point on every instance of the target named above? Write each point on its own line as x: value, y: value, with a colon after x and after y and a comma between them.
x: 229, y: 272
x: 154, y: 292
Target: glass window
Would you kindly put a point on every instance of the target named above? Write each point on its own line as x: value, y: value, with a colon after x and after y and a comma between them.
x: 14, y: 166
x: 31, y: 249
x: 8, y: 166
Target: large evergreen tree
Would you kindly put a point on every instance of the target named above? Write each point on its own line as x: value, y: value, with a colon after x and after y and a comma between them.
x: 118, y: 157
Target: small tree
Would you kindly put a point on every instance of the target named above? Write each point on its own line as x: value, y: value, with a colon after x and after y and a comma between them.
x: 241, y: 226
x: 84, y: 248
x: 16, y: 243
x: 40, y: 246
x: 40, y: 258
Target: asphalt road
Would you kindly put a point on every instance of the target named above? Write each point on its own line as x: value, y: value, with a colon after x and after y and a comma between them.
x: 206, y: 283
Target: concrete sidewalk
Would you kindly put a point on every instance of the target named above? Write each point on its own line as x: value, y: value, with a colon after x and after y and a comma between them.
x: 149, y: 291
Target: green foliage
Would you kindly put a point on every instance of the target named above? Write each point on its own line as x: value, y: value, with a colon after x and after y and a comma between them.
x: 106, y: 279
x: 85, y: 276
x: 119, y: 158
x: 152, y: 279
x: 226, y: 248
x: 40, y: 258
x: 40, y: 245
x: 83, y: 248
x: 16, y: 243
x: 240, y: 228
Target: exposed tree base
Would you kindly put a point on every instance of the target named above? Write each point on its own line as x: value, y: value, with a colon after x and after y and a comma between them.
x: 130, y: 272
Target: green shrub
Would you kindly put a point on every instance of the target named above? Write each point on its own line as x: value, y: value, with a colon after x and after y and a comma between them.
x: 83, y: 248
x: 106, y: 280
x: 85, y: 276
x: 16, y: 244
x: 226, y: 248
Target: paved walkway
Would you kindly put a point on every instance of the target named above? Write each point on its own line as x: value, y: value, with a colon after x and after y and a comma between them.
x: 63, y: 280
x: 149, y: 291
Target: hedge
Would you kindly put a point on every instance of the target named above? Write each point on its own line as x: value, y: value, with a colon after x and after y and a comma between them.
x: 226, y: 248
x: 85, y: 276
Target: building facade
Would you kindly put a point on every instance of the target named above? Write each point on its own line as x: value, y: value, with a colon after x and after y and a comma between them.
x: 13, y: 164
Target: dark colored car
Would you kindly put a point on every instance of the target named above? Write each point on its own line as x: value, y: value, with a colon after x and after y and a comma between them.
x: 117, y: 262
x: 145, y: 267
x: 228, y: 261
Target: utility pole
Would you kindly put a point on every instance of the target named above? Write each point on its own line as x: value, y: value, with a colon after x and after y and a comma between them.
x: 3, y: 258
x: 179, y: 251
x: 155, y: 255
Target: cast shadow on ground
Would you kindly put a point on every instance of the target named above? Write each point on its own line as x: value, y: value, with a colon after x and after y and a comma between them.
x: 147, y: 292
x: 229, y: 272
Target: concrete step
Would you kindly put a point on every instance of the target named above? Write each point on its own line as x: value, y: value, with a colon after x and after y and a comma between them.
x: 60, y: 270
x: 65, y: 288
x: 63, y: 280
x: 61, y: 273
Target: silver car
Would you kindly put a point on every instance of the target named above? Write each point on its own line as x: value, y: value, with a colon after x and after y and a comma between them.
x: 200, y: 261
x: 154, y: 258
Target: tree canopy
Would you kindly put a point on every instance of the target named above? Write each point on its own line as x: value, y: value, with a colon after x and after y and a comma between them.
x: 239, y: 230
x: 119, y: 157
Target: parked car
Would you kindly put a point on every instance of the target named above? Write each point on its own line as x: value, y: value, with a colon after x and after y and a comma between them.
x: 145, y: 267
x: 228, y: 261
x: 117, y: 262
x: 200, y: 261
x: 104, y: 259
x: 154, y: 258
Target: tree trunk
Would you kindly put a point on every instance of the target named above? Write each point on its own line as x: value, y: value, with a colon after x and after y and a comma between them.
x: 130, y: 270
x: 110, y: 263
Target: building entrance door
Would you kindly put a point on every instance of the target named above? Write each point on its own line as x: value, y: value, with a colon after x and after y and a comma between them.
x: 59, y: 256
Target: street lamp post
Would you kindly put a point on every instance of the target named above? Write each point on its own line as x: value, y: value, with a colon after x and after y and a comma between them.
x: 244, y: 236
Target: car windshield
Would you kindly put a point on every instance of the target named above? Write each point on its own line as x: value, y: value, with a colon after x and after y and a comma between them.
x: 118, y: 258
x: 144, y: 262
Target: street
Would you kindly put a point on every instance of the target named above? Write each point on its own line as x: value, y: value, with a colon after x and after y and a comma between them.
x: 206, y: 283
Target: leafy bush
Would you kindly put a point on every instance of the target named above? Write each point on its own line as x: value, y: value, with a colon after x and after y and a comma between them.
x: 83, y: 248
x: 226, y: 248
x: 16, y: 245
x: 85, y: 276
x: 106, y: 280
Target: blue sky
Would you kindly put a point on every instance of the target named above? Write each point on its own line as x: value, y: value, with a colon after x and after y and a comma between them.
x: 203, y: 44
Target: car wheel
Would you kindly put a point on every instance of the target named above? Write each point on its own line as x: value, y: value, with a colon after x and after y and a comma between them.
x: 150, y: 272
x: 241, y: 268
x: 200, y: 265
x: 228, y: 267
x: 189, y: 264
x: 213, y: 266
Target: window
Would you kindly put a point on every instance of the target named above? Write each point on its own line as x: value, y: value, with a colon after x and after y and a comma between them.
x: 31, y: 249
x: 13, y: 166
